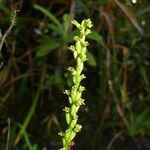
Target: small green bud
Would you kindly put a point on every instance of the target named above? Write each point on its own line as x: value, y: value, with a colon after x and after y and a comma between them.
x: 77, y: 38
x: 84, y: 44
x: 76, y: 24
x: 67, y: 134
x: 78, y: 47
x: 88, y: 31
x: 87, y: 23
x: 73, y: 92
x: 61, y: 133
x: 75, y: 54
x: 64, y: 142
x: 67, y: 92
x: 72, y: 70
x: 82, y: 88
x: 84, y: 49
x: 82, y: 101
x: 73, y: 123
x: 74, y: 109
x: 72, y: 48
x: 68, y: 119
x: 79, y: 102
x: 77, y: 79
x: 81, y: 77
x: 80, y: 66
x: 78, y: 95
x: 82, y: 57
x: 72, y: 135
x: 70, y: 100
x: 74, y: 79
x: 66, y: 109
x: 77, y: 128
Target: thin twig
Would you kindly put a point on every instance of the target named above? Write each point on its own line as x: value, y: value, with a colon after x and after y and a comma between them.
x: 72, y: 13
x: 8, y: 30
x: 8, y: 135
x: 113, y: 140
x: 130, y: 16
x: 118, y: 108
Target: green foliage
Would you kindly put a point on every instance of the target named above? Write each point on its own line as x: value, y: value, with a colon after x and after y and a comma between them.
x: 91, y: 59
x: 48, y: 14
x: 33, y: 75
x: 95, y: 36
x: 140, y: 123
x: 47, y: 45
x: 57, y: 26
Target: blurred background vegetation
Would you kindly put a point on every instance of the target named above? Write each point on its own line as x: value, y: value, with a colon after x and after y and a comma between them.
x: 34, y: 74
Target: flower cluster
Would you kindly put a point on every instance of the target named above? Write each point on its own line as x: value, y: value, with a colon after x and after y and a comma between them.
x: 75, y: 94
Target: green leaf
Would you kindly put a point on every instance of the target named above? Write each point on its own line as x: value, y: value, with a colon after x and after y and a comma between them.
x: 140, y: 123
x: 4, y: 8
x: 95, y: 36
x: 47, y: 46
x: 102, y: 2
x: 48, y: 14
x: 70, y: 35
x: 56, y: 29
x: 57, y: 25
x: 91, y: 59
x: 67, y: 22
x: 55, y: 79
x: 143, y: 11
x: 144, y: 75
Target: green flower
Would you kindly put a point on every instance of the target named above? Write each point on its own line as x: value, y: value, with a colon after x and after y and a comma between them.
x: 75, y: 93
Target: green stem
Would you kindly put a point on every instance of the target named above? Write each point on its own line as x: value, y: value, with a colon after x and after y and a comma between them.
x: 75, y: 94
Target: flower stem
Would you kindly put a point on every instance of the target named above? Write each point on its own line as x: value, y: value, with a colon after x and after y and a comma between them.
x: 75, y: 94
